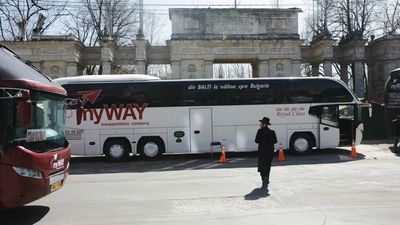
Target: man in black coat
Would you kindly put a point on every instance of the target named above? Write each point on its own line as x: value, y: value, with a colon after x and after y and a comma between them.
x: 265, y: 139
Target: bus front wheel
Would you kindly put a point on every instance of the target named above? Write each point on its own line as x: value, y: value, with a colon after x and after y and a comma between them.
x: 117, y: 149
x: 151, y: 148
x: 301, y: 144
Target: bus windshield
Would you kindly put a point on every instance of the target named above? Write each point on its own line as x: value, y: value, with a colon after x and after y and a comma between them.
x: 46, y: 131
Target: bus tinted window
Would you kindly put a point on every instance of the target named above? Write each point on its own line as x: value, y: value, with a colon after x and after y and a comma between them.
x: 206, y: 93
x: 299, y: 91
x: 330, y: 91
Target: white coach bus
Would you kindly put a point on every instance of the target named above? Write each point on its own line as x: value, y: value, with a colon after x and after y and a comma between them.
x: 116, y: 115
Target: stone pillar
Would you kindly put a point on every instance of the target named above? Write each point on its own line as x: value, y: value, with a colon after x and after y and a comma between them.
x: 315, y: 70
x: 176, y: 69
x: 72, y: 69
x: 141, y: 67
x: 107, y: 54
x: 106, y: 67
x: 344, y: 74
x: 141, y: 46
x: 263, y: 69
x: 81, y: 68
x: 328, y: 68
x: 359, y: 79
x: 208, y: 69
x: 296, y: 68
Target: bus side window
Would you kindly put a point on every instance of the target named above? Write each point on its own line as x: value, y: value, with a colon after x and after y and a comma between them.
x: 346, y: 112
x: 314, y: 111
x: 329, y: 115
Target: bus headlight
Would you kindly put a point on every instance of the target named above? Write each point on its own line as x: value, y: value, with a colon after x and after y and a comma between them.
x: 24, y: 172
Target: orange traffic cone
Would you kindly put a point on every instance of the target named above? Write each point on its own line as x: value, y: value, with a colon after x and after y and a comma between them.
x: 353, y: 150
x: 222, y: 159
x: 281, y: 156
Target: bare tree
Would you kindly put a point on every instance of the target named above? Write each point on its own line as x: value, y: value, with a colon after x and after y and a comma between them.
x: 355, y: 18
x: 323, y: 19
x: 232, y: 70
x: 19, y: 19
x: 104, y: 18
x: 391, y: 19
x: 153, y: 28
x: 96, y: 19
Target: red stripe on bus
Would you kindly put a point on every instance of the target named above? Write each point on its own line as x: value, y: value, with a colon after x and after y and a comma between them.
x: 29, y: 84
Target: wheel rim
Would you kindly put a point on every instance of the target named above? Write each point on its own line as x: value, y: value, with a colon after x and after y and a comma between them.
x: 301, y: 145
x: 116, y: 151
x: 150, y: 149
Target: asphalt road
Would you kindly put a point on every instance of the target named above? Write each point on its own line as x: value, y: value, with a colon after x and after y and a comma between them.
x: 326, y: 187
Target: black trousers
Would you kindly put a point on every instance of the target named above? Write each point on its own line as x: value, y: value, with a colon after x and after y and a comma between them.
x: 265, y: 171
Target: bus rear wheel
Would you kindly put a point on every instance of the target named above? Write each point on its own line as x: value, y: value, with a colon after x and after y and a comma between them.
x: 301, y: 144
x: 151, y: 148
x: 117, y: 149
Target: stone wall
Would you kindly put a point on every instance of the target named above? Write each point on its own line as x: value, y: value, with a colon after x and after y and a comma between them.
x: 222, y: 24
x: 265, y: 38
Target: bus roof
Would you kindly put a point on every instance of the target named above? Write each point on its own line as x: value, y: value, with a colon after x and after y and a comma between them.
x: 395, y: 70
x: 105, y: 78
x: 16, y: 72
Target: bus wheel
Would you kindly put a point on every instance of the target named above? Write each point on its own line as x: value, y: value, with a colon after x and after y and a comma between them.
x: 151, y: 148
x: 117, y: 149
x: 301, y: 144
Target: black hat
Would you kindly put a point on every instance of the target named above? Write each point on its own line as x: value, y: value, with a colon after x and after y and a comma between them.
x: 265, y: 120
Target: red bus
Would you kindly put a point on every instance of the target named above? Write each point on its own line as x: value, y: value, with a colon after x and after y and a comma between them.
x: 34, y: 154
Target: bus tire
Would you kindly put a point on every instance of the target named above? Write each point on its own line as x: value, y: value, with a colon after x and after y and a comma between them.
x: 301, y: 143
x: 117, y: 149
x: 151, y: 147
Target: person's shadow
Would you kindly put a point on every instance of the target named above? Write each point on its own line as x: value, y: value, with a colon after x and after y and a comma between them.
x: 256, y: 194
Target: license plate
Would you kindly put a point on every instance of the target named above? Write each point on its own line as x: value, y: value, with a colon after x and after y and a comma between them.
x: 57, y: 185
x: 56, y: 177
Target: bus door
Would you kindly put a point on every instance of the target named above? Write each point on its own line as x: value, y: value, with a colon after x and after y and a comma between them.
x: 346, y: 124
x: 200, y: 130
x: 329, y: 132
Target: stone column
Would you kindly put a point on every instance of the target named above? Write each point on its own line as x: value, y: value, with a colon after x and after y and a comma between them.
x: 141, y: 67
x: 141, y: 46
x: 296, y: 68
x: 72, y: 69
x: 106, y: 67
x: 315, y: 70
x: 208, y: 69
x: 107, y: 54
x: 359, y: 79
x: 176, y: 69
x: 328, y: 68
x: 344, y: 74
x: 263, y: 69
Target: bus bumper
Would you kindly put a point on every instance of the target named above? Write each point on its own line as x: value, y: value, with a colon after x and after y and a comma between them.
x: 17, y: 190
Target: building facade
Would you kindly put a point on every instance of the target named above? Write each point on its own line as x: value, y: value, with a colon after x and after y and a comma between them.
x: 267, y: 39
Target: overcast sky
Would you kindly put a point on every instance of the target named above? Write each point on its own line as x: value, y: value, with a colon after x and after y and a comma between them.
x: 160, y: 7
